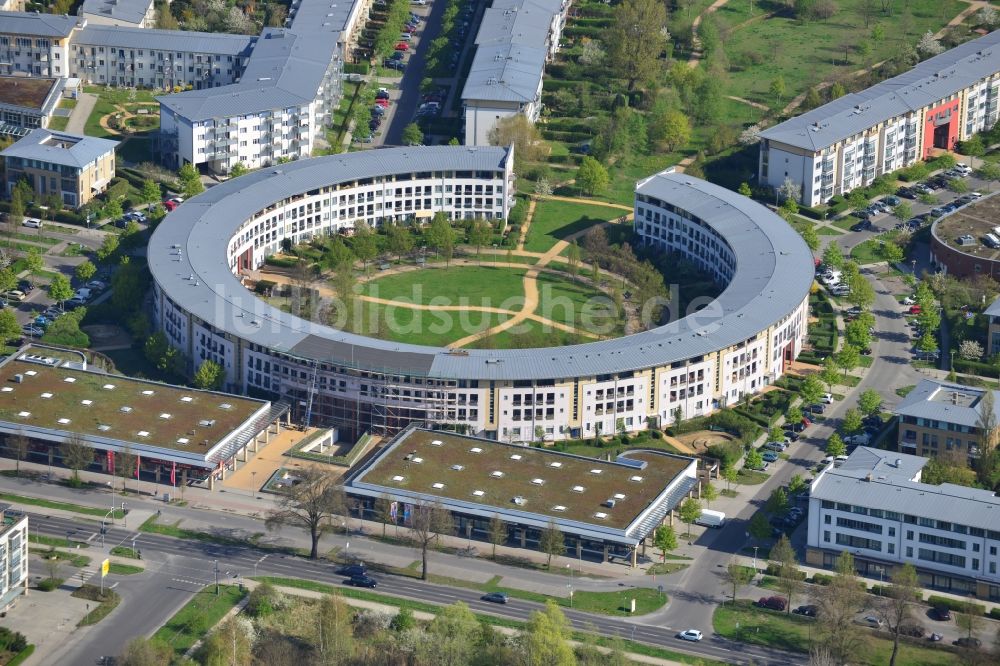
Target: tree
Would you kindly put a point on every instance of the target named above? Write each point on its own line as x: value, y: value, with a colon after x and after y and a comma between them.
x: 190, y: 181
x: 108, y: 248
x: 759, y: 528
x: 986, y: 427
x: 969, y: 619
x: 838, y: 603
x: 309, y: 504
x: 788, y: 574
x: 862, y: 293
x: 150, y: 192
x: 847, y: 359
x: 231, y: 644
x: 76, y: 455
x: 890, y: 252
x: 777, y: 88
x: 592, y: 177
x: 10, y: 329
x: 412, y: 136
x: 929, y: 46
x: 777, y: 502
x: 636, y: 40
x: 497, y: 533
x: 852, y: 422
x: 731, y: 475
x: 520, y: 132
x: 545, y: 639
x: 754, y: 459
x: 8, y: 279
x: 829, y: 374
x: 400, y: 240
x: 209, y: 376
x: 903, y: 211
x: 59, y: 289
x: 552, y: 542
x: 665, y: 540
x: 480, y: 234
x: 796, y: 484
x: 451, y: 637
x: 789, y: 190
x: 426, y: 522
x: 65, y: 330
x: 689, y: 511
x: 17, y: 208
x: 33, y: 261
x: 858, y: 334
x: 835, y: 446
x: 745, y: 189
x: 238, y: 169
x: 670, y: 128
x: 363, y: 243
x: 709, y: 493
x: 403, y: 621
x: 811, y: 237
x: 738, y: 575
x: 85, y: 272
x: 146, y: 652
x: 19, y: 445
x: 383, y: 511
x: 833, y: 257
x: 811, y: 391
x: 333, y: 636
x: 895, y: 608
x: 870, y: 402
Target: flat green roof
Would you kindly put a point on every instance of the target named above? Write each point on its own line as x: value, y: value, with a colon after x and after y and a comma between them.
x: 550, y: 483
x: 119, y: 407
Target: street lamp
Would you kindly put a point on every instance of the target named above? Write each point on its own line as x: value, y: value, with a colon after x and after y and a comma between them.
x: 253, y: 484
x: 755, y: 559
x: 494, y: 255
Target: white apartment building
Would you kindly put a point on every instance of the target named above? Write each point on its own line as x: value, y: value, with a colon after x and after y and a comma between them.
x: 876, y: 507
x: 850, y: 141
x: 516, y: 39
x: 127, y: 13
x: 35, y: 44
x: 13, y: 556
x: 159, y: 59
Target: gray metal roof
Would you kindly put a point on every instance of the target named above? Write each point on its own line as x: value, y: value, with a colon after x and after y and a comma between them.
x: 948, y: 502
x: 866, y: 460
x: 993, y: 310
x: 36, y: 24
x: 133, y: 11
x: 774, y: 270
x: 933, y: 400
x: 505, y: 72
x: 928, y: 82
x: 38, y: 145
x: 527, y: 25
x: 286, y: 67
x: 122, y: 37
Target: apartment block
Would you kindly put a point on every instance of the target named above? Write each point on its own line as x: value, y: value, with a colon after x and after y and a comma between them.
x: 128, y: 13
x: 75, y: 167
x: 13, y: 556
x: 943, y: 419
x: 35, y: 44
x: 516, y: 39
x: 850, y: 141
x: 876, y: 507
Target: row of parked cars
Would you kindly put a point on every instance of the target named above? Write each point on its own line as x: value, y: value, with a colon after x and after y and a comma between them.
x: 397, y: 60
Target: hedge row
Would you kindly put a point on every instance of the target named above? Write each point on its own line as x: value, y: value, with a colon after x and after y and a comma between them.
x: 567, y: 137
x: 575, y: 31
x: 774, y: 570
x: 956, y: 605
x: 975, y: 368
x: 280, y: 262
x: 356, y: 68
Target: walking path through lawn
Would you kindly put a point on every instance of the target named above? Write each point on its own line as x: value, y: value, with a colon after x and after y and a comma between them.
x: 527, y: 222
x: 695, y: 42
x: 78, y: 116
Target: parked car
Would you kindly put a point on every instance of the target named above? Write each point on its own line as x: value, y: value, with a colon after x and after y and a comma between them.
x: 942, y: 613
x: 915, y: 310
x: 826, y: 399
x: 792, y: 435
x: 32, y: 330
x: 14, y: 295
x: 817, y: 408
x: 872, y: 621
x: 169, y: 205
x: 808, y: 611
x: 968, y: 642
x: 770, y: 457
x: 891, y: 200
x: 402, y: 46
x: 361, y: 581
x: 352, y: 570
x: 690, y: 635
x: 26, y: 286
x: 774, y: 603
x: 32, y: 222
x: 495, y: 597
x: 774, y: 446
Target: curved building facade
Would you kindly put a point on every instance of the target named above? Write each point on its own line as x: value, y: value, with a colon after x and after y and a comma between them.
x: 735, y: 345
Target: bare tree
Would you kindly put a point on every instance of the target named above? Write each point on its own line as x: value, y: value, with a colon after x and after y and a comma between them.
x: 895, y: 609
x: 789, y: 577
x: 737, y: 575
x: 552, y: 542
x: 19, y: 446
x: 76, y: 455
x: 838, y: 602
x: 310, y: 504
x: 497, y: 532
x: 383, y: 510
x: 126, y: 465
x: 427, y: 521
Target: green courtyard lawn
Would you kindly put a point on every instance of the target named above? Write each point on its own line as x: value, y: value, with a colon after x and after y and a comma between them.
x: 419, y: 327
x: 473, y: 285
x: 796, y: 633
x: 805, y: 53
x: 555, y: 220
x: 866, y: 252
x: 573, y: 302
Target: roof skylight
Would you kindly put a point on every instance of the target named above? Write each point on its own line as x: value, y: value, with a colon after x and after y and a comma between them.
x: 496, y: 474
x: 437, y: 486
x: 143, y: 433
x: 398, y: 478
x: 46, y: 395
x: 516, y: 456
x: 108, y: 387
x: 637, y: 479
x: 578, y: 489
x: 183, y: 440
x: 69, y: 380
x: 86, y: 403
x: 555, y: 464
x: 478, y: 493
x: 64, y: 421
x: 24, y: 415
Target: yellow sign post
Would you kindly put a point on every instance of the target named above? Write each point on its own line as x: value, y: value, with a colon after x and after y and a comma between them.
x: 105, y: 567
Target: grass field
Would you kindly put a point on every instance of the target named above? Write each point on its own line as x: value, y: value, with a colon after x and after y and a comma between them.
x: 554, y: 220
x: 795, y: 633
x: 419, y: 327
x: 804, y: 53
x: 473, y: 285
x: 192, y: 622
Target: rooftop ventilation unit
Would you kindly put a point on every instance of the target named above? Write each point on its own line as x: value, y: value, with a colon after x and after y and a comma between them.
x: 206, y: 423
x: 520, y: 501
x: 578, y: 489
x: 610, y: 503
x: 458, y: 468
x: 125, y: 409
x: 478, y: 493
x: 496, y: 474
x: 437, y: 486
x: 398, y: 478
x: 475, y: 449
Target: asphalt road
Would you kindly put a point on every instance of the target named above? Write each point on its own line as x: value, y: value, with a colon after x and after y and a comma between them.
x: 177, y: 568
x: 405, y: 106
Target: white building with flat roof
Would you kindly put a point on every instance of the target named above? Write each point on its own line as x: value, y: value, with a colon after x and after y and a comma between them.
x: 13, y: 556
x: 128, y: 13
x: 852, y: 140
x: 876, y: 507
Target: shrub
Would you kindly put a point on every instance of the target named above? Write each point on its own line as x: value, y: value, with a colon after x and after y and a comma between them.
x: 995, y: 613
x: 264, y: 600
x: 775, y: 570
x: 956, y: 605
x: 822, y: 579
x: 49, y: 584
x: 727, y: 453
x: 12, y: 641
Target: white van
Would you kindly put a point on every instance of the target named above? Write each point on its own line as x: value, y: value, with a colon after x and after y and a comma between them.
x: 989, y: 240
x: 710, y: 518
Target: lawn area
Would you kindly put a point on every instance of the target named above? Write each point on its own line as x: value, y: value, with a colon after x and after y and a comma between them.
x: 192, y: 622
x: 573, y: 302
x: 749, y: 624
x: 529, y: 334
x: 845, y: 223
x: 828, y: 231
x: 55, y: 542
x: 136, y: 149
x: 107, y: 601
x: 58, y: 123
x: 62, y: 506
x: 124, y: 569
x: 554, y: 220
x: 805, y: 53
x: 866, y: 252
x: 749, y: 477
x: 458, y: 285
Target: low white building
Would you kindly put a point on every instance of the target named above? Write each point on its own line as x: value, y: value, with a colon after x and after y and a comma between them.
x: 13, y: 556
x: 876, y: 507
x: 128, y: 13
